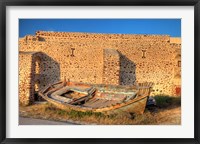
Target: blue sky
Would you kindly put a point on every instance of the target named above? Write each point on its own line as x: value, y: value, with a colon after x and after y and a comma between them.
x: 170, y: 27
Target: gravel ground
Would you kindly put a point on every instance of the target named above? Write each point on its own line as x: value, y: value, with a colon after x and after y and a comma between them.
x: 32, y: 121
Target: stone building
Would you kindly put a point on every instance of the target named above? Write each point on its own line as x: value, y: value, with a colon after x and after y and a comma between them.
x: 117, y: 59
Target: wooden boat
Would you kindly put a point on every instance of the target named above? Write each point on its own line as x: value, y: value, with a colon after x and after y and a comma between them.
x: 97, y: 98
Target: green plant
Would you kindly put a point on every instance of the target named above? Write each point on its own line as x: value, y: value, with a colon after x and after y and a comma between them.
x: 61, y: 112
x: 79, y: 114
x: 163, y: 101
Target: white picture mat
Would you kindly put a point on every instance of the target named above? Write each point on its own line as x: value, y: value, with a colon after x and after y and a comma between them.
x: 185, y: 130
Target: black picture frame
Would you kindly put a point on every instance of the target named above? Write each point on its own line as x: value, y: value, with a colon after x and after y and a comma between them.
x: 5, y: 3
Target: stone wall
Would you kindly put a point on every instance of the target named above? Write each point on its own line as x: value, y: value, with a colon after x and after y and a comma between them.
x: 26, y: 78
x: 82, y: 57
x: 111, y: 67
x: 36, y: 70
x: 155, y: 62
x: 85, y: 65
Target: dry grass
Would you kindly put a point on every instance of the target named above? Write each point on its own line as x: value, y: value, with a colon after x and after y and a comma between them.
x: 168, y: 112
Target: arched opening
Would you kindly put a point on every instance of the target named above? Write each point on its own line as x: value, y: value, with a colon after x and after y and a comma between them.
x: 37, y: 77
x: 36, y: 90
x: 37, y: 65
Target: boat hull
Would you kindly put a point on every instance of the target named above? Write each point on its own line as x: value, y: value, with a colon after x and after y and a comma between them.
x: 136, y: 105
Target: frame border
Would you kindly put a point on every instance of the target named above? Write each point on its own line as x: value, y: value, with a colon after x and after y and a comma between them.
x: 4, y: 3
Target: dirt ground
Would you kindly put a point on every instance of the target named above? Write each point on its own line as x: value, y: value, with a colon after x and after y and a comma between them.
x: 169, y: 116
x: 152, y: 116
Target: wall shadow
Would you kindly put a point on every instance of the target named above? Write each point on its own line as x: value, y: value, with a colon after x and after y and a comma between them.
x: 49, y: 70
x: 127, y: 70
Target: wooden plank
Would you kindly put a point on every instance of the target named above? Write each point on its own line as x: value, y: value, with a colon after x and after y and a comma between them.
x: 99, y: 103
x: 79, y: 100
x: 104, y: 104
x: 94, y: 103
x: 90, y: 102
x: 61, y: 99
x: 111, y: 102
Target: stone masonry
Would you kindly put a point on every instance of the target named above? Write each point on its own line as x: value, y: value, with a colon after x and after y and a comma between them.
x: 118, y: 59
x: 111, y: 67
x: 27, y: 77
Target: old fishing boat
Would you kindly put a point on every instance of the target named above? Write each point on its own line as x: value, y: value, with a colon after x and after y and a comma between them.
x: 97, y: 98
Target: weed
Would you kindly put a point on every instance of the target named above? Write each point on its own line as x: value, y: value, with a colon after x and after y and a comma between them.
x: 168, y: 112
x: 79, y: 114
x: 164, y: 101
x: 61, y: 112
